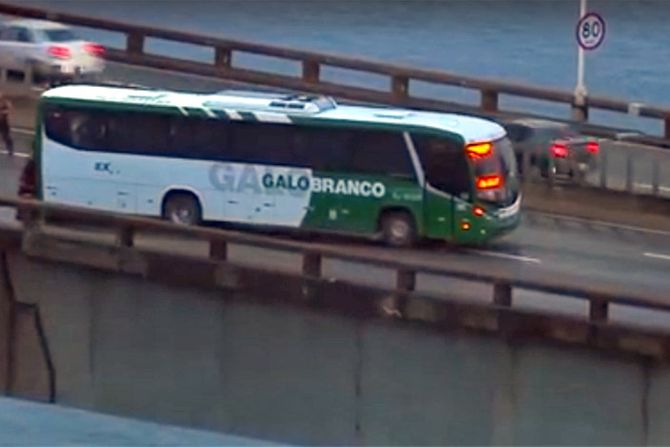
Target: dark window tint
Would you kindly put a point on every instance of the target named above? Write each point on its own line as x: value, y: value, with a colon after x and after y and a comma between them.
x: 319, y: 148
x: 378, y: 152
x: 517, y: 132
x: 198, y: 137
x: 444, y: 164
x: 323, y: 148
x: 57, y: 125
x: 261, y: 142
x: 134, y: 132
x: 17, y: 34
x: 60, y: 35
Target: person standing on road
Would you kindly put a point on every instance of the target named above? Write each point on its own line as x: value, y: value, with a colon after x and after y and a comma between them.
x: 5, y: 107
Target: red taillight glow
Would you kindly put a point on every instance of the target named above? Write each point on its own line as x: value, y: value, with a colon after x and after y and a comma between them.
x: 592, y: 147
x: 559, y: 150
x: 489, y: 181
x: 479, y: 150
x: 478, y: 211
x: 59, y: 52
x: 94, y: 49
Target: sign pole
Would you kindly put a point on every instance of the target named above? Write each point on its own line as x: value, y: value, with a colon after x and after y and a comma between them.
x: 580, y: 89
x: 590, y: 33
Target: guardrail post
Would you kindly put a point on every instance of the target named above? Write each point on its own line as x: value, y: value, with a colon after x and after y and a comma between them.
x: 311, y: 70
x: 223, y: 57
x: 598, y: 310
x: 580, y: 112
x: 489, y: 100
x: 655, y: 175
x: 629, y: 172
x: 666, y: 126
x: 602, y: 166
x: 405, y: 283
x: 218, y: 250
x: 125, y: 237
x: 135, y: 43
x: 399, y: 87
x: 3, y: 75
x: 7, y: 316
x: 311, y: 267
x: 502, y: 294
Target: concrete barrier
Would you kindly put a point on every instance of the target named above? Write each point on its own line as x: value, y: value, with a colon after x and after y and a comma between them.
x: 252, y: 366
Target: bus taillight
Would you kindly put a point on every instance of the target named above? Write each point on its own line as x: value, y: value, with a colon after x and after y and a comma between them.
x: 479, y: 150
x: 489, y: 181
x: 478, y: 211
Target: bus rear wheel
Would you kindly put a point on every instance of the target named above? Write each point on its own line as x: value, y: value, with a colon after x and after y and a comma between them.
x: 398, y: 229
x: 182, y: 208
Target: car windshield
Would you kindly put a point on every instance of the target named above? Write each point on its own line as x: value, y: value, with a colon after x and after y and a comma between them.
x: 60, y: 35
x: 556, y: 133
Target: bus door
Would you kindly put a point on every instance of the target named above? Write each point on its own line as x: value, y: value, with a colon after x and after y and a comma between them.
x: 448, y: 186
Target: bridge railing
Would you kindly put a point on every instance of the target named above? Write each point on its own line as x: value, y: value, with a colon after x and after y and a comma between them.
x: 600, y: 297
x: 313, y: 63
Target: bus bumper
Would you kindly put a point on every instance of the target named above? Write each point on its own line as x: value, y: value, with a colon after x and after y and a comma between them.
x: 492, y: 226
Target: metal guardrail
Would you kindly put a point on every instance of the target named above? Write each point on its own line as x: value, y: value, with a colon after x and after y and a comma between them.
x: 313, y: 63
x: 598, y: 297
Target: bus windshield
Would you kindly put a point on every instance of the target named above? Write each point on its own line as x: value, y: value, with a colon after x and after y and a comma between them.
x: 495, y: 172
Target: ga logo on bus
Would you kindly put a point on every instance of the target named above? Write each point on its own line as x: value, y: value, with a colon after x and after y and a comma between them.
x: 249, y: 179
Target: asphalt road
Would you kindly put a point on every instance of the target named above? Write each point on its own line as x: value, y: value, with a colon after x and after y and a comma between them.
x: 626, y: 259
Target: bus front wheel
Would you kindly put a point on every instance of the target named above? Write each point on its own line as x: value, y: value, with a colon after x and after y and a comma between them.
x: 398, y: 229
x: 182, y: 208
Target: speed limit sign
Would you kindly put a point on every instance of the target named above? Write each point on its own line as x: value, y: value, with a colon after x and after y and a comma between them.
x: 590, y: 31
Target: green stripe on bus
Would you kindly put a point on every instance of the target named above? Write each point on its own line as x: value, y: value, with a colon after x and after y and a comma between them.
x: 220, y: 114
x: 194, y: 111
x: 248, y: 116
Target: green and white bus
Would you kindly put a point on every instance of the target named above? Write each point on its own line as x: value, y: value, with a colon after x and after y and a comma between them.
x: 279, y: 160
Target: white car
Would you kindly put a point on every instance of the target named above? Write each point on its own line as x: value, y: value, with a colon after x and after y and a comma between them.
x: 50, y: 49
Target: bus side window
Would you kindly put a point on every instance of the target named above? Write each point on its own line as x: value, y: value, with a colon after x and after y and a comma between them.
x: 57, y: 125
x: 150, y: 137
x: 89, y: 129
x: 444, y: 164
x: 200, y: 138
x: 262, y: 143
x: 382, y: 153
x: 326, y: 149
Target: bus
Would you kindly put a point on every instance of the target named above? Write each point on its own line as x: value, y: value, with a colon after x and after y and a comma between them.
x: 276, y: 159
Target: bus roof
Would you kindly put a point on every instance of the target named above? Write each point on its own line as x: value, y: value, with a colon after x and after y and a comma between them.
x: 274, y: 107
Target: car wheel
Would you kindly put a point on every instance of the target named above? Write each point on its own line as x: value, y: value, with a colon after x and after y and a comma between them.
x: 182, y: 209
x: 398, y: 229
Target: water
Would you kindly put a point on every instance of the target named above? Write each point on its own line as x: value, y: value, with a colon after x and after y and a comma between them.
x: 521, y: 40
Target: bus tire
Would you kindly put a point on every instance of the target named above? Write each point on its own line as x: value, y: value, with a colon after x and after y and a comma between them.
x: 398, y: 229
x: 182, y: 208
